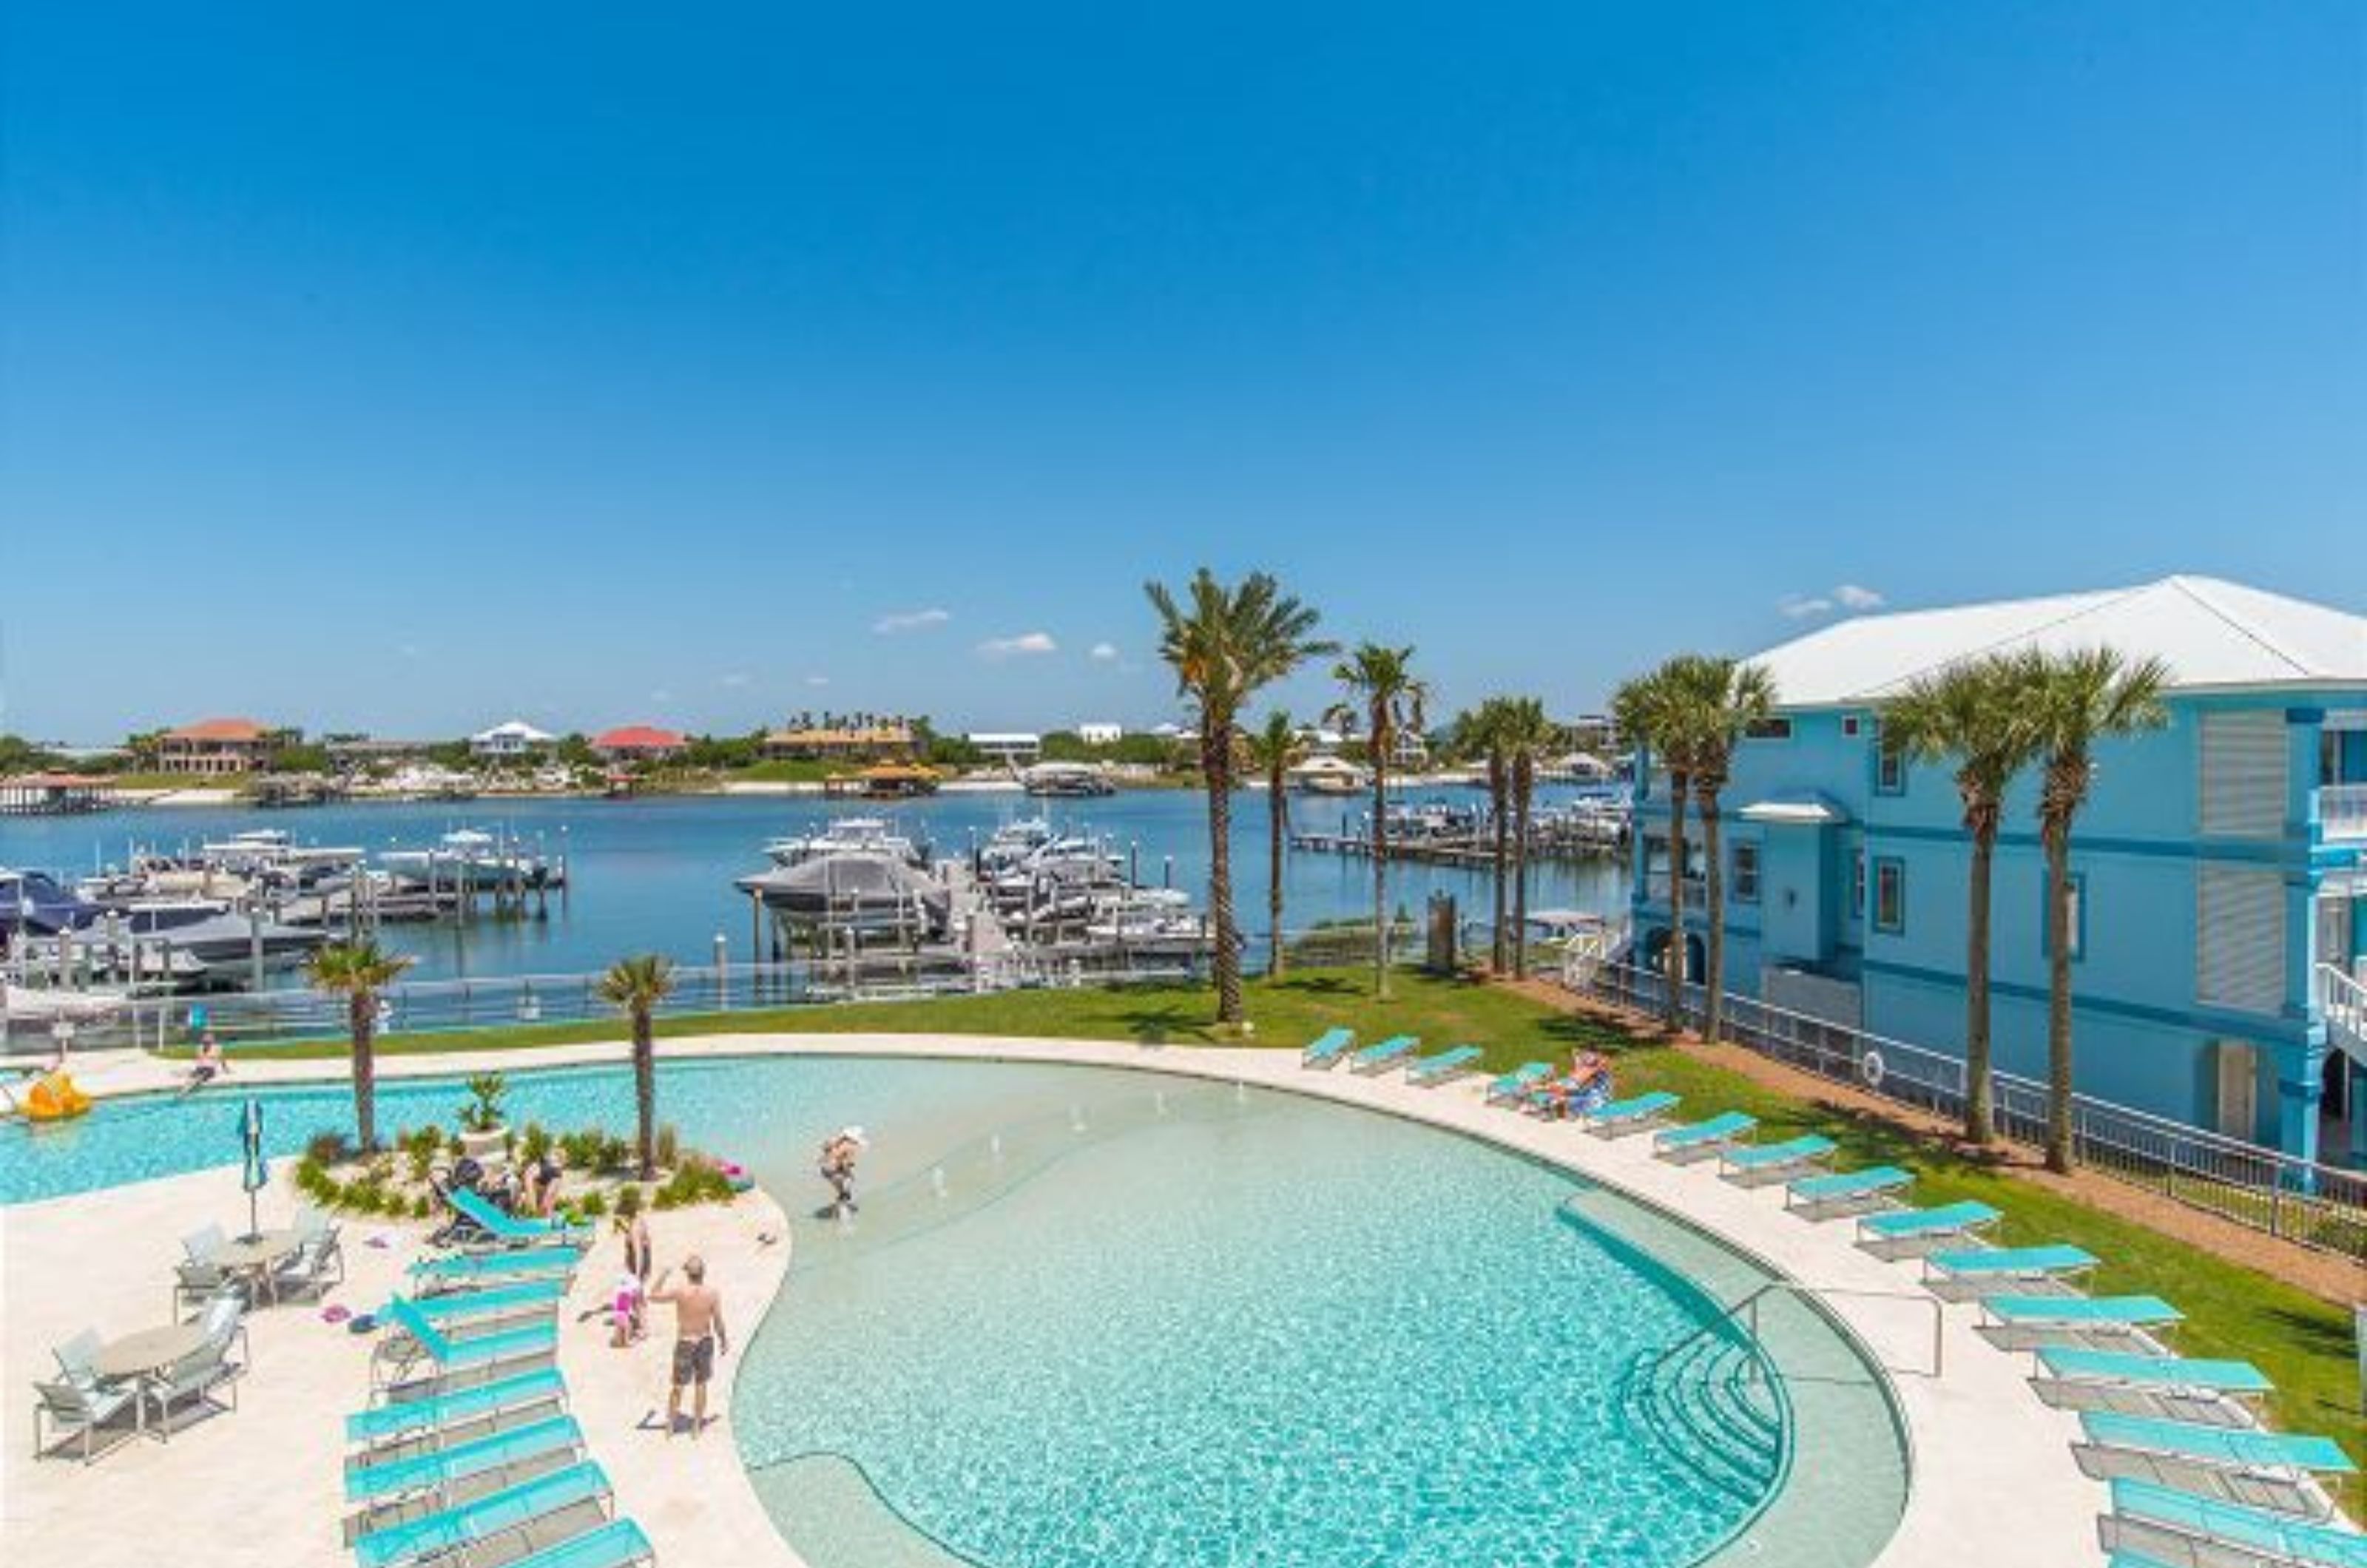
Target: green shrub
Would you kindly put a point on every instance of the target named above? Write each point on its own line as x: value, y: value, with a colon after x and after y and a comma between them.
x: 420, y: 1208
x: 593, y: 1205
x: 328, y: 1147
x: 628, y: 1200
x: 615, y: 1153
x: 669, y: 1144
x: 533, y: 1144
x: 482, y: 1111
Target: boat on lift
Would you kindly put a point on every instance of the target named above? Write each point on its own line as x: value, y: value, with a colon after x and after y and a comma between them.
x: 469, y: 858
x: 1066, y: 781
x: 847, y: 836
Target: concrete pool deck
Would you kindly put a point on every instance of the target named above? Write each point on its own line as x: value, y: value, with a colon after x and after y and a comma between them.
x: 1993, y: 1477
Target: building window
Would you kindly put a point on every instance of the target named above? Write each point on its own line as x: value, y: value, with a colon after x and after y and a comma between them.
x: 1849, y: 726
x: 1745, y: 871
x: 1890, y: 896
x: 1770, y: 730
x: 1889, y: 767
x: 2077, y: 922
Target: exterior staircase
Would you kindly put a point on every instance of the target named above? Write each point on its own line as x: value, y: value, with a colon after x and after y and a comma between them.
x: 2343, y: 1002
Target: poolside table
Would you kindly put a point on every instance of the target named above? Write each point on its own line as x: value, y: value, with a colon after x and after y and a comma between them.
x: 254, y: 1256
x: 149, y: 1350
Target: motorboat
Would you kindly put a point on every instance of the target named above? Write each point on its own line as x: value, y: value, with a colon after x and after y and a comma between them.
x: 1328, y: 775
x: 1013, y: 843
x: 469, y: 858
x: 846, y: 835
x: 864, y: 893
x: 1066, y: 781
x: 35, y: 903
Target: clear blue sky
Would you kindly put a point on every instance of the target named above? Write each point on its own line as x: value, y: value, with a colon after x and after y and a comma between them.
x: 411, y: 367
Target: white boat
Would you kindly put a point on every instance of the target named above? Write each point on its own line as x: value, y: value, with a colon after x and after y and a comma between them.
x: 1067, y: 781
x: 467, y: 858
x: 848, y: 835
x: 1012, y: 842
x: 1329, y: 775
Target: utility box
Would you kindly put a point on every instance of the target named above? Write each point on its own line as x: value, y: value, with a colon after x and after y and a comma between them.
x: 1441, y: 957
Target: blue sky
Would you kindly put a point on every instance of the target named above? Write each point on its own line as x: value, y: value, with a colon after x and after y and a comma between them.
x: 411, y: 366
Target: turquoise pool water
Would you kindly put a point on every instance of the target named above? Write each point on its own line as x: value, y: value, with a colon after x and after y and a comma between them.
x: 1091, y: 1316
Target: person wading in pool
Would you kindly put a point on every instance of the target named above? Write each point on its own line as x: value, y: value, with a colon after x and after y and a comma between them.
x: 838, y: 1155
x: 698, y: 1337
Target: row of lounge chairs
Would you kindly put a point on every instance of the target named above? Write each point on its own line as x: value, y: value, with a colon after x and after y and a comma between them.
x: 466, y: 1455
x: 2197, y: 1480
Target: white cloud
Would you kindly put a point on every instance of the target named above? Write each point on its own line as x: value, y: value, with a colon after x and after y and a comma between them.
x: 1798, y: 606
x: 1850, y: 596
x: 1845, y: 597
x: 1026, y: 644
x: 903, y: 621
x: 1103, y: 652
x: 738, y: 678
x: 817, y: 680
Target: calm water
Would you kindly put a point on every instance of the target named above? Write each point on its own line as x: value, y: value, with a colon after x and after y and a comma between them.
x: 656, y: 873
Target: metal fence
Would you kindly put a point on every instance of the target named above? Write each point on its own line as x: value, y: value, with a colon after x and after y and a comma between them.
x: 2264, y: 1188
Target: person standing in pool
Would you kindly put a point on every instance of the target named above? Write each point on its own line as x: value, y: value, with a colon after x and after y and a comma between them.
x: 698, y: 1337
x: 838, y: 1155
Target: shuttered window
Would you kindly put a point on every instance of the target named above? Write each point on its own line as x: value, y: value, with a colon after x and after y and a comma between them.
x: 2243, y: 775
x: 2239, y: 938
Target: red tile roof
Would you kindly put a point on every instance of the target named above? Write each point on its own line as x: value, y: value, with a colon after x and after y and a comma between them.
x: 639, y: 738
x: 218, y: 730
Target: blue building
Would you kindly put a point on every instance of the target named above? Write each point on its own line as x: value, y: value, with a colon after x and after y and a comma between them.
x: 2220, y: 867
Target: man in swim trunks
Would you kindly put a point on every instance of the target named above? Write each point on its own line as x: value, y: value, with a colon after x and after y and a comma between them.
x: 698, y: 1337
x: 209, y: 1066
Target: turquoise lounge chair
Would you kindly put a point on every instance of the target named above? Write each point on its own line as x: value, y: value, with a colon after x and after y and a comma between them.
x: 421, y: 1339
x: 438, y: 1468
x: 1702, y: 1139
x: 2201, y: 1391
x: 492, y: 1301
x: 2181, y: 1527
x: 1764, y: 1164
x: 1432, y: 1070
x: 580, y: 1489
x: 390, y: 1423
x: 1908, y: 1231
x: 616, y: 1544
x: 1956, y: 1274
x: 1634, y: 1114
x: 2026, y: 1323
x: 2242, y: 1464
x: 1838, y: 1192
x: 458, y: 1269
x: 1385, y: 1055
x: 505, y: 1229
x: 1327, y: 1048
x: 1516, y: 1084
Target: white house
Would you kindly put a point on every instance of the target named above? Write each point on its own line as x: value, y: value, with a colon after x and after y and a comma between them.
x: 515, y: 739
x: 1100, y: 734
x: 1016, y: 748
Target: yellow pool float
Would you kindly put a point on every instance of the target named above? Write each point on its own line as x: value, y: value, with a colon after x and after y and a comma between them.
x: 53, y: 1098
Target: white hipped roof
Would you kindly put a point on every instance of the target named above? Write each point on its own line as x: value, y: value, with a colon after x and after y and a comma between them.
x: 515, y: 730
x: 2215, y: 635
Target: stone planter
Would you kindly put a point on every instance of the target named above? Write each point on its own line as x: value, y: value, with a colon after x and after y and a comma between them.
x: 487, y: 1148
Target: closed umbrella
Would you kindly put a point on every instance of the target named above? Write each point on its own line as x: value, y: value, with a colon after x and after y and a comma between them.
x: 256, y: 1172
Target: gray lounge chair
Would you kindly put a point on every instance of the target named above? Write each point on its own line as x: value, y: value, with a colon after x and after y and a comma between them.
x: 195, y: 1376
x: 316, y: 1264
x: 82, y: 1403
x: 79, y: 1355
x: 2247, y: 1465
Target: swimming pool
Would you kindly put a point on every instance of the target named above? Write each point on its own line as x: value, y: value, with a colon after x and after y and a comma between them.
x: 1088, y: 1315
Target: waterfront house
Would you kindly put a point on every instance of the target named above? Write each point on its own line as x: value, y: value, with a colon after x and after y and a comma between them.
x: 1011, y: 748
x: 639, y: 743
x: 2219, y: 869
x: 219, y: 747
x: 862, y: 739
x: 511, y: 740
x: 1099, y: 733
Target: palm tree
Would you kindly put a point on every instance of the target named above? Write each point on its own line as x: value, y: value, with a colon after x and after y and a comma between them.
x: 1723, y: 698
x: 1476, y: 733
x: 1649, y: 715
x: 636, y: 985
x: 1225, y: 645
x: 1274, y: 748
x: 1527, y: 735
x: 1977, y: 715
x: 360, y: 972
x: 1384, y: 691
x: 2076, y: 699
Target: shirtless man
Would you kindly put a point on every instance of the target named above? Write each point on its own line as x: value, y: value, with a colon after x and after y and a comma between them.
x: 698, y: 1337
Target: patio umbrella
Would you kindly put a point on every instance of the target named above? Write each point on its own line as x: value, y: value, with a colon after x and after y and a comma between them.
x: 255, y: 1173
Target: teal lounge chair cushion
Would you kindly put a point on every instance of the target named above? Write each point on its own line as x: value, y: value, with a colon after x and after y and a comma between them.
x: 1838, y: 1184
x: 2134, y: 1310
x: 612, y: 1545
x: 1790, y: 1151
x: 1329, y: 1045
x: 490, y: 1299
x: 2280, y: 1536
x: 475, y: 1351
x: 451, y: 1528
x: 1945, y: 1220
x: 1431, y: 1068
x: 409, y: 1415
x: 2239, y: 1447
x: 1636, y: 1106
x: 2056, y: 1257
x: 506, y: 1227
x: 530, y: 1260
x: 1511, y: 1083
x: 1388, y: 1050
x: 1730, y: 1125
x: 440, y: 1467
x: 2155, y: 1371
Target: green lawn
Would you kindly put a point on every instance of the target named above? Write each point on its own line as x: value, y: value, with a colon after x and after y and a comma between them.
x: 2304, y: 1344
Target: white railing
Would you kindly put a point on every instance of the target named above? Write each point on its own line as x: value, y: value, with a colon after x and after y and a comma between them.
x: 2263, y: 1189
x: 2342, y: 811
x: 2343, y: 1002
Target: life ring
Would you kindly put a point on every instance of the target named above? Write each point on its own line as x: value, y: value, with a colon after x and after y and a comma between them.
x: 1870, y: 1068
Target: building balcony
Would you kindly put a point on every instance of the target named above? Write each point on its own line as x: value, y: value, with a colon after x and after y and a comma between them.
x: 2342, y: 813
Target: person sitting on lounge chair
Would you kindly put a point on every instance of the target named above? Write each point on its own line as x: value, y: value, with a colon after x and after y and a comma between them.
x: 1590, y: 1072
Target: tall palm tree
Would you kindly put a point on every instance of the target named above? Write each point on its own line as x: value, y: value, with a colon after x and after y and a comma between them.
x: 360, y: 972
x: 636, y: 985
x: 1527, y: 735
x: 1386, y: 694
x: 1977, y: 714
x: 1477, y: 735
x: 1225, y: 645
x: 2077, y: 699
x: 1722, y: 698
x: 1651, y: 716
x: 1274, y: 748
